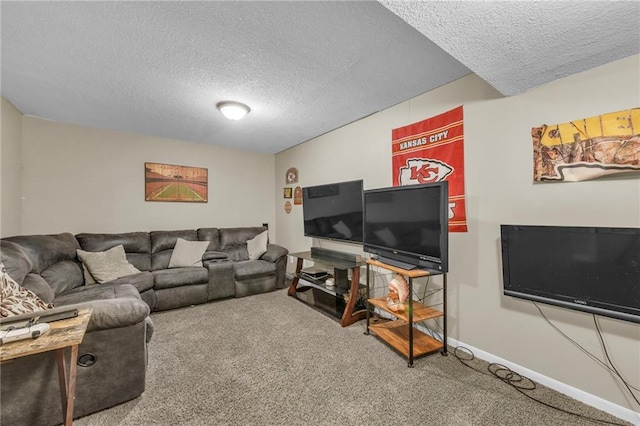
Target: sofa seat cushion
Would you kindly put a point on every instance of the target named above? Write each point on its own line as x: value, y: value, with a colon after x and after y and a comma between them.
x: 90, y: 293
x: 142, y: 281
x: 176, y: 277
x: 113, y: 305
x: 253, y: 268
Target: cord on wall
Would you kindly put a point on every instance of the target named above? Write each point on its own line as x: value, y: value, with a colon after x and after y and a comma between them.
x: 609, y: 367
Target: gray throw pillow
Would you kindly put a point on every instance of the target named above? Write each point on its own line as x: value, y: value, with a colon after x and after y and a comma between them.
x: 107, y: 265
x: 257, y: 246
x: 88, y: 278
x: 187, y: 253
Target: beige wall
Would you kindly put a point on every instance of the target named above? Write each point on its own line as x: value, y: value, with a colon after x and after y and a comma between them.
x: 80, y: 179
x: 10, y: 179
x: 499, y: 189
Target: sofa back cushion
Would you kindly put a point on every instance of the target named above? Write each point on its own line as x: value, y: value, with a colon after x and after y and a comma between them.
x: 137, y: 246
x: 162, y: 244
x: 15, y: 299
x: 15, y: 260
x: 39, y: 286
x: 54, y: 258
x: 233, y: 241
x: 212, y: 235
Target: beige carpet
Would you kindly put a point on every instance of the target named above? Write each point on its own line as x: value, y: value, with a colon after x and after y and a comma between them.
x: 271, y: 360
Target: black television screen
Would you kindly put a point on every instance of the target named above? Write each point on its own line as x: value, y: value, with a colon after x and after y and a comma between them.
x: 333, y: 211
x: 590, y: 269
x: 407, y: 226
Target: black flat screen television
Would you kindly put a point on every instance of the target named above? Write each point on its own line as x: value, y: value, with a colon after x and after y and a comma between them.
x: 589, y: 269
x: 408, y: 226
x: 333, y: 211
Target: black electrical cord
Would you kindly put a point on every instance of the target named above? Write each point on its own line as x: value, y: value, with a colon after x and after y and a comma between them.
x: 517, y: 381
x: 586, y: 352
x: 606, y: 353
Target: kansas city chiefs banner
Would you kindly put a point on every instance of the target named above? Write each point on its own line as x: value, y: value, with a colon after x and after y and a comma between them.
x: 432, y: 150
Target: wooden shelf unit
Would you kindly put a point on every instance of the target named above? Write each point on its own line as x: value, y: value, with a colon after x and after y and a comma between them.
x: 396, y: 334
x: 420, y: 311
x: 401, y: 334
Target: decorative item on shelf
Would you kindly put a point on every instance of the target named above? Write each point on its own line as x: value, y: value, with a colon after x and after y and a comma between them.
x: 297, y: 196
x: 398, y: 293
x: 287, y: 207
x: 291, y: 176
x: 330, y: 282
x: 287, y: 192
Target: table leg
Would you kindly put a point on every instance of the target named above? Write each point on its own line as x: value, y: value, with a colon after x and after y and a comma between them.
x: 294, y: 282
x: 62, y: 379
x: 348, y: 317
x: 67, y: 382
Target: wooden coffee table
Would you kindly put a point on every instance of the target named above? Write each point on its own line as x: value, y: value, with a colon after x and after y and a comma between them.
x: 63, y: 334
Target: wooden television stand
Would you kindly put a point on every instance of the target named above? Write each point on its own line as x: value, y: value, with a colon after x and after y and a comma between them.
x: 400, y: 333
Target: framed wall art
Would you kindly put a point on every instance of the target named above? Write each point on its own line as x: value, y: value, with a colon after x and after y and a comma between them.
x: 291, y: 176
x: 297, y: 196
x: 288, y: 192
x: 169, y: 182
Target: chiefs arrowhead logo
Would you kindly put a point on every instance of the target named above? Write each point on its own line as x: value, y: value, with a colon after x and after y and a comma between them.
x: 424, y: 170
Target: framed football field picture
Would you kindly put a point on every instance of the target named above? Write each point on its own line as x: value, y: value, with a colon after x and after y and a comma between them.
x: 169, y: 182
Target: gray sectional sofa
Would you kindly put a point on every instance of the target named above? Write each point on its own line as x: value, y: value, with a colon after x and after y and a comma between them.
x: 120, y: 328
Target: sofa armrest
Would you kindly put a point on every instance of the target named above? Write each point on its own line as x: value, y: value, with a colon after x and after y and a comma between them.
x: 114, y: 313
x: 274, y: 252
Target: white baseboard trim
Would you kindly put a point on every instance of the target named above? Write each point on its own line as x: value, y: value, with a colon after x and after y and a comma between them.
x: 582, y: 396
x: 595, y: 401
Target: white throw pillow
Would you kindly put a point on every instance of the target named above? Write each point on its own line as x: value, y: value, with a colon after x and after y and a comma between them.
x: 88, y: 278
x: 187, y: 253
x: 257, y: 246
x: 107, y: 265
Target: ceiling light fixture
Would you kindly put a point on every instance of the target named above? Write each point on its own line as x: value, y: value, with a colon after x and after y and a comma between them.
x: 233, y: 110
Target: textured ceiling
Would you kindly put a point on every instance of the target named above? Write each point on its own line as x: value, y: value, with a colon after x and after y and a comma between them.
x: 304, y: 68
x: 517, y: 45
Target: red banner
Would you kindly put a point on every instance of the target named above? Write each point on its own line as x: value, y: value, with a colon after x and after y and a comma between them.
x: 432, y: 150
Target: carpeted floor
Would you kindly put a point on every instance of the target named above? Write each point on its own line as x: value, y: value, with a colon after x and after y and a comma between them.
x: 271, y: 360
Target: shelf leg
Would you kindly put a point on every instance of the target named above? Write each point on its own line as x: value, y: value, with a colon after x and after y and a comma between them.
x: 444, y: 317
x: 348, y: 316
x: 367, y: 303
x: 410, y: 322
x: 294, y: 282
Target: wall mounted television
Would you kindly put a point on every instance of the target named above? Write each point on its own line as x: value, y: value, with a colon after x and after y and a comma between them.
x: 408, y: 226
x: 333, y: 211
x: 589, y: 269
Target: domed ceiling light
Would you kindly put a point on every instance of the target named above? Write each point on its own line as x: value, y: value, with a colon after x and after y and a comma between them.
x: 233, y: 110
